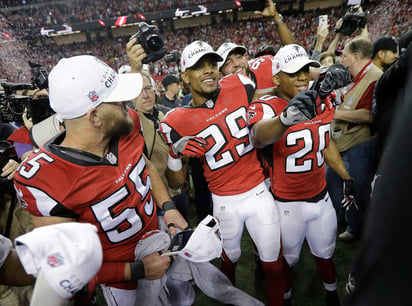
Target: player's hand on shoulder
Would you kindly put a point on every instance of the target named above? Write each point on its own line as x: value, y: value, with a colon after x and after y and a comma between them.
x: 189, y: 145
x: 304, y: 106
x: 337, y: 76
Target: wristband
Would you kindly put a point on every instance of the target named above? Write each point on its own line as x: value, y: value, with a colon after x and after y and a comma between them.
x: 168, y: 205
x: 278, y: 21
x: 174, y: 164
x: 137, y: 270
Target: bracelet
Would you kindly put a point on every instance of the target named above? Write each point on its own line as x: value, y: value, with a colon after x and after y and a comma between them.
x: 279, y: 20
x: 174, y: 164
x: 137, y: 270
x: 168, y: 205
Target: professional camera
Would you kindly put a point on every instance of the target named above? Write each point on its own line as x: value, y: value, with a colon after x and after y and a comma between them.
x: 352, y: 20
x: 39, y: 76
x: 6, y: 152
x: 12, y: 105
x: 173, y: 56
x: 152, y: 42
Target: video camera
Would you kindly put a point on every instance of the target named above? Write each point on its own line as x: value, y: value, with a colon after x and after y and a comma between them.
x: 152, y: 42
x: 12, y: 105
x: 352, y: 20
x: 173, y: 56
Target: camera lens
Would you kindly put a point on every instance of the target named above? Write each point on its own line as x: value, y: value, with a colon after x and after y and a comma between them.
x: 154, y: 43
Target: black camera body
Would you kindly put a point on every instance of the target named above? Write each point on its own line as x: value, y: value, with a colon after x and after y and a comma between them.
x: 12, y: 105
x: 173, y: 56
x: 152, y: 42
x: 352, y: 21
x: 39, y: 76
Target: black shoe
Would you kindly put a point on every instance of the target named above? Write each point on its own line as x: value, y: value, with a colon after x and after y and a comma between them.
x: 332, y: 298
x: 287, y: 302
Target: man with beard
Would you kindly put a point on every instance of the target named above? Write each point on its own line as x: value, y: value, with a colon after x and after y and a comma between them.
x: 95, y: 172
x: 385, y: 52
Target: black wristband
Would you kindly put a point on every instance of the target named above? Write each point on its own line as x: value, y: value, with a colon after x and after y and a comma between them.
x: 137, y: 270
x: 168, y: 205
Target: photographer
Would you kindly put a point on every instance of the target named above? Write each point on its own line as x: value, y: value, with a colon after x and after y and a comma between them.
x: 170, y: 97
x: 21, y: 137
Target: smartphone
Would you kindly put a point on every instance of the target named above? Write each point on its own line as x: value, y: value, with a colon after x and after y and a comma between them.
x: 252, y: 5
x: 323, y: 21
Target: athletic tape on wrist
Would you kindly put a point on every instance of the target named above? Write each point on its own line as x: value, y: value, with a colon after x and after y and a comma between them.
x: 137, y: 270
x: 168, y: 205
x: 174, y: 164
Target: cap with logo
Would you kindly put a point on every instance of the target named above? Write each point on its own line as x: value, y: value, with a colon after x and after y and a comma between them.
x: 199, y: 245
x: 291, y: 58
x: 385, y: 43
x: 194, y: 52
x: 226, y: 48
x: 82, y: 82
x: 67, y: 254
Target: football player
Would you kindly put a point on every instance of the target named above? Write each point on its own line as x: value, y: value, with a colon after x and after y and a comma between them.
x: 297, y: 151
x: 213, y: 128
x: 96, y: 172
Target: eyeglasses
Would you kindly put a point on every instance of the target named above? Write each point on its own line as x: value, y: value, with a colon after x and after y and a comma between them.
x: 147, y: 88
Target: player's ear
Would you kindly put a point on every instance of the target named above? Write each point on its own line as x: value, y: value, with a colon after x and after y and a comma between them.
x: 185, y: 77
x: 94, y: 116
x: 276, y: 80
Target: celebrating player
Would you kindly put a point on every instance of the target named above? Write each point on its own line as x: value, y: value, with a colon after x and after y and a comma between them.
x: 96, y: 172
x: 296, y: 141
x: 213, y: 128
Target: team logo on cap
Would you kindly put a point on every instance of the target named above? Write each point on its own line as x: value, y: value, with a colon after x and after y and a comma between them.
x: 93, y: 96
x: 55, y: 260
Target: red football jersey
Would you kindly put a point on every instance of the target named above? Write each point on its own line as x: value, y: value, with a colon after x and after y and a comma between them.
x: 261, y: 69
x: 113, y: 193
x: 297, y: 158
x: 230, y: 163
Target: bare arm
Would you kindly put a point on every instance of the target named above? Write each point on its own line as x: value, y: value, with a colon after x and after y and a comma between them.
x: 357, y: 116
x: 334, y: 160
x: 161, y: 196
x: 285, y: 35
x: 177, y: 179
x: 136, y: 54
x: 267, y: 131
x: 334, y: 43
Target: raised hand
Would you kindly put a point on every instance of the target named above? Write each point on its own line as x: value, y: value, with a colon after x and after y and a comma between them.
x: 304, y: 106
x: 335, y: 77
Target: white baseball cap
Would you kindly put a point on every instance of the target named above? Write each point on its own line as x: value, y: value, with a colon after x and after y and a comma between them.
x: 194, y: 52
x: 291, y: 58
x: 82, y: 82
x: 199, y: 245
x: 68, y: 255
x: 227, y: 48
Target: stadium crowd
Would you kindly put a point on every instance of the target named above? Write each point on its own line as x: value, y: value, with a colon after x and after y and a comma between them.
x: 386, y: 18
x: 332, y: 124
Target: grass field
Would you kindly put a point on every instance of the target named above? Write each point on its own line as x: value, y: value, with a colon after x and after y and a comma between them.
x: 307, y: 287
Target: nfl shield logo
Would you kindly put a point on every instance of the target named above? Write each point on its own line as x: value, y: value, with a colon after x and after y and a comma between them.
x: 55, y: 260
x: 93, y: 96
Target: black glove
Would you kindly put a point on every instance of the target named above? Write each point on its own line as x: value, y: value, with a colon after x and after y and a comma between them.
x: 335, y: 77
x: 304, y: 106
x: 348, y: 194
x: 189, y: 145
